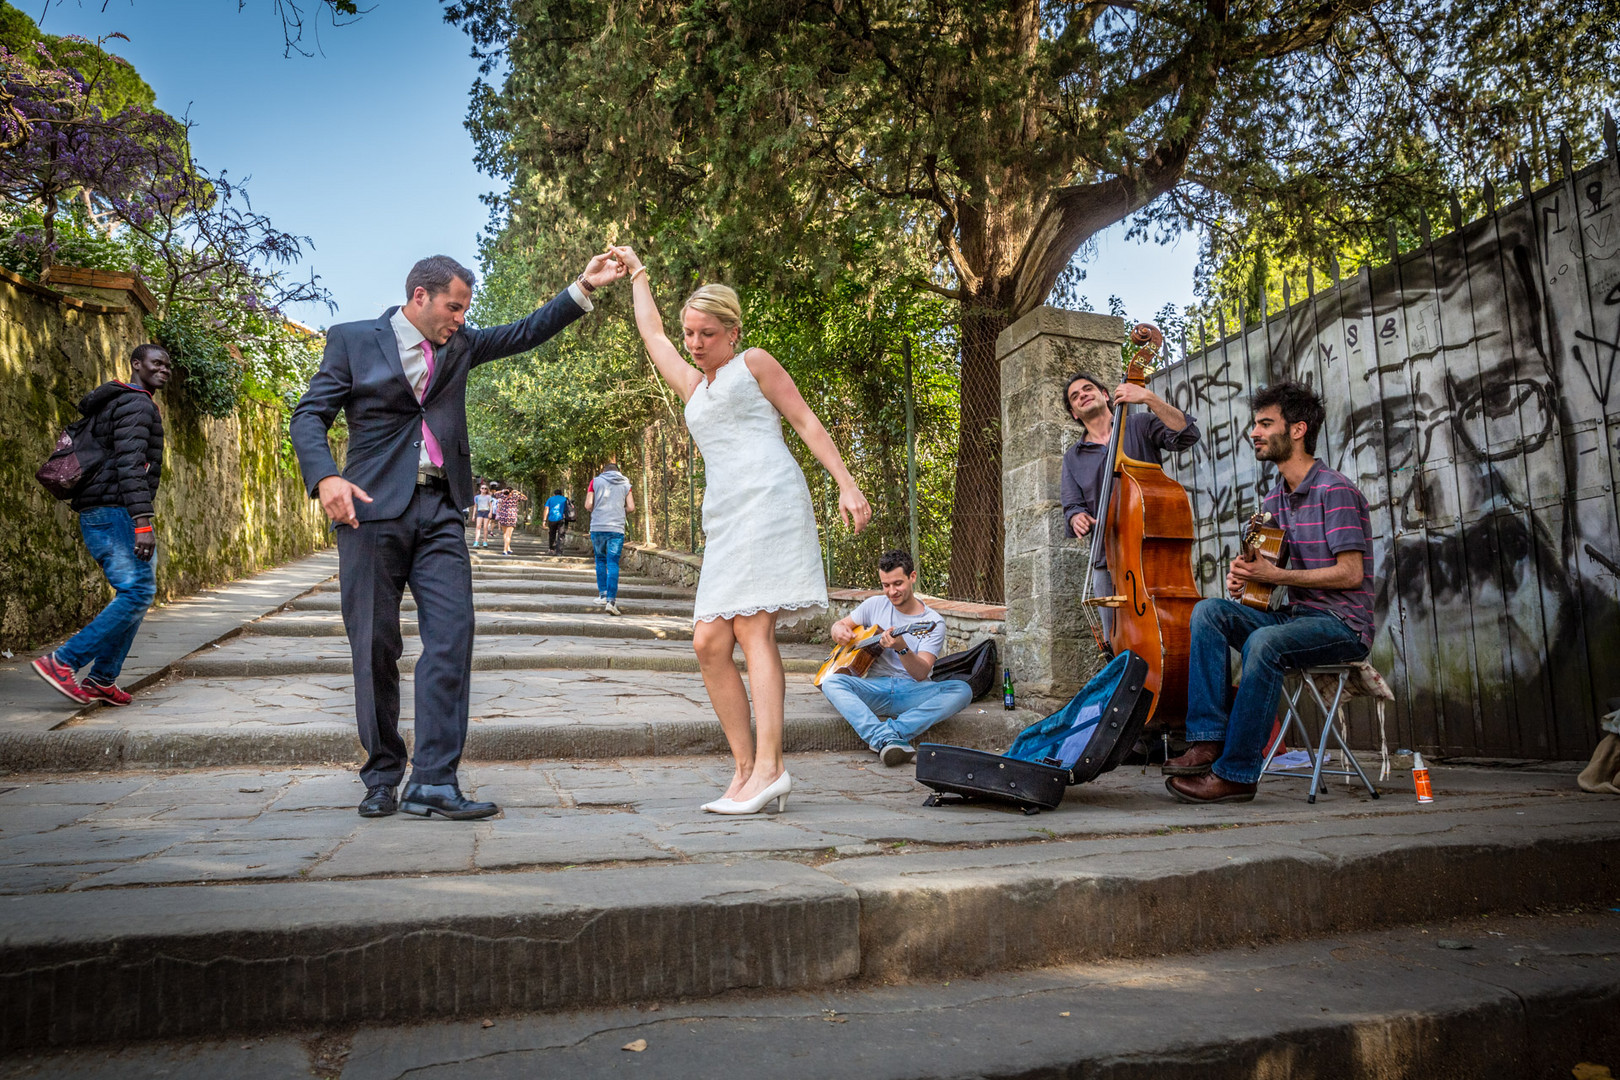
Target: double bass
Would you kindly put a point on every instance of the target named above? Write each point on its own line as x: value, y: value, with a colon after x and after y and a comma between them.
x: 1145, y: 530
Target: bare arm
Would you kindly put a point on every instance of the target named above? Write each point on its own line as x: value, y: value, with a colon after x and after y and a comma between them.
x: 590, y: 496
x: 681, y: 376
x: 777, y: 386
x: 630, y: 502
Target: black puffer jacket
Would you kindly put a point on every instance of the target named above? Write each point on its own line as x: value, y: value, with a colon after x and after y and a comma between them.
x: 128, y: 425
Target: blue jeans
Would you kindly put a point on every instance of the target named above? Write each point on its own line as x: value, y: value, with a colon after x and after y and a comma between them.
x: 915, y: 706
x: 109, y: 533
x: 607, y: 546
x: 1272, y: 642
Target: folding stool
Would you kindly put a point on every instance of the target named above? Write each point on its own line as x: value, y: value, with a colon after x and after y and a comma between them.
x: 1296, y: 684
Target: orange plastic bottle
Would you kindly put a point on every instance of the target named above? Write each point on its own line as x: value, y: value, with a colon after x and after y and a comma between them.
x: 1420, y: 779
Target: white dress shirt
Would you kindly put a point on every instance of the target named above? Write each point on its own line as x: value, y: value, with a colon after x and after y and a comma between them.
x: 414, y: 361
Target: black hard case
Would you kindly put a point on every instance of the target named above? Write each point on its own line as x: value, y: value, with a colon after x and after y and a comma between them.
x: 1033, y: 786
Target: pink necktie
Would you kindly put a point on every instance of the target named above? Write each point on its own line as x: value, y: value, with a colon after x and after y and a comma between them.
x: 435, y: 455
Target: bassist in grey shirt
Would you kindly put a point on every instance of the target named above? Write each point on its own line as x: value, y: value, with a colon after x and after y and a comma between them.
x: 1160, y: 427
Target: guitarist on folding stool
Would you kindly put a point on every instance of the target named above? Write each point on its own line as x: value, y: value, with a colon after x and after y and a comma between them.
x: 1328, y: 620
x: 896, y: 685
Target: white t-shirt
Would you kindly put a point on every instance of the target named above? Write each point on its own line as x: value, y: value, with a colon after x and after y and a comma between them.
x: 877, y: 611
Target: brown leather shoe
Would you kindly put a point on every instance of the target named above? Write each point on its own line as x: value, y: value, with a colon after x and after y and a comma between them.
x: 1195, y: 762
x: 1209, y: 788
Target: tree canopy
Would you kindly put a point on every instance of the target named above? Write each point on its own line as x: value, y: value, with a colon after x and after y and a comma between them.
x: 970, y: 148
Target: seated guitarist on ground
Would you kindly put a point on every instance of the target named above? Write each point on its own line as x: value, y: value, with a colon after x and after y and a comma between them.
x: 896, y: 685
x: 1328, y: 620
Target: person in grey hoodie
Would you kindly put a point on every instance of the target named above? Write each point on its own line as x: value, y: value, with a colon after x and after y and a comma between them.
x: 609, y: 502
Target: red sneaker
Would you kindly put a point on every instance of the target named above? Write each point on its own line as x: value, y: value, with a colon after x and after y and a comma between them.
x: 112, y: 695
x: 60, y: 676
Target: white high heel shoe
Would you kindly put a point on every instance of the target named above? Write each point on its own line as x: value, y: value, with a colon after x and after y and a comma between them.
x: 777, y: 789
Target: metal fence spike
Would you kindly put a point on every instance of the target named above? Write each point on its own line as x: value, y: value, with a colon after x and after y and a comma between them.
x: 1527, y: 181
x: 1394, y: 242
x: 1566, y: 158
x: 1489, y: 191
x: 1456, y: 210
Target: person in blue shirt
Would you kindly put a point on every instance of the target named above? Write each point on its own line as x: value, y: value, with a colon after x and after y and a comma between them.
x: 556, y: 520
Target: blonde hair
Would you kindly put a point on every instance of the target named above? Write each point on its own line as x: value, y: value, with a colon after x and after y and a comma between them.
x: 720, y: 301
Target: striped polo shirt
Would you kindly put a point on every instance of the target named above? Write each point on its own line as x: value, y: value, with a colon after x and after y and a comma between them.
x: 1321, y: 518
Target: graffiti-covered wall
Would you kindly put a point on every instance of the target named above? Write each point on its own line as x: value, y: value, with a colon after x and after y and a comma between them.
x: 1471, y: 391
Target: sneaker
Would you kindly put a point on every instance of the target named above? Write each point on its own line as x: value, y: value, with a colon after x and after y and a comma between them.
x: 896, y: 753
x: 613, y: 609
x: 60, y: 676
x: 112, y: 695
x: 600, y: 601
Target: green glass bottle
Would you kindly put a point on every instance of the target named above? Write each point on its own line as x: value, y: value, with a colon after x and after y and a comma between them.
x: 1007, y: 689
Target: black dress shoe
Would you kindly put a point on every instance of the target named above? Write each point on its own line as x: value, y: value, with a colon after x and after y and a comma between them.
x: 446, y: 800
x: 379, y: 801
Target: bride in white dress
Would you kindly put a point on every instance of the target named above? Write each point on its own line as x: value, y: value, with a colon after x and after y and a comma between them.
x: 761, y: 558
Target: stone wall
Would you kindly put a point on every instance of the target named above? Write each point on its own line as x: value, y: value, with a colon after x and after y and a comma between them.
x: 230, y: 502
x: 1048, y: 643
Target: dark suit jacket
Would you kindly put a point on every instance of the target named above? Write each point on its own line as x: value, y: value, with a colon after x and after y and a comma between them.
x: 361, y: 374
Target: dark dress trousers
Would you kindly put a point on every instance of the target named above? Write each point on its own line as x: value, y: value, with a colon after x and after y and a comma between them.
x: 409, y: 534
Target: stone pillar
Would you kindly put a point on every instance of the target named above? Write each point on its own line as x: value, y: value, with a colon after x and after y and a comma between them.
x: 1049, y: 646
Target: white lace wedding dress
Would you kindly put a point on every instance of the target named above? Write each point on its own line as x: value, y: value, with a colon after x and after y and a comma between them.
x: 761, y: 551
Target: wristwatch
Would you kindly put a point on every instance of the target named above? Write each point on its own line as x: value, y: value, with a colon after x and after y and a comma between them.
x: 902, y: 651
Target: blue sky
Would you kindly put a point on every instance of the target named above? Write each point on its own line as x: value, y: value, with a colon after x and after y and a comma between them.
x: 361, y: 146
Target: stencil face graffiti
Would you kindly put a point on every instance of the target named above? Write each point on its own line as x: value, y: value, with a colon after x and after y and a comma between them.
x: 1468, y: 390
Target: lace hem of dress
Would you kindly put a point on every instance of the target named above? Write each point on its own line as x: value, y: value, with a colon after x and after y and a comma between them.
x: 804, y: 605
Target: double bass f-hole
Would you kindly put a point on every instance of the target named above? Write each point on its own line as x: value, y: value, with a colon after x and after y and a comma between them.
x: 1138, y: 602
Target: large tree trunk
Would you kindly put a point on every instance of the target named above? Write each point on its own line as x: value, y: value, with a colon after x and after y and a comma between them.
x: 976, y: 533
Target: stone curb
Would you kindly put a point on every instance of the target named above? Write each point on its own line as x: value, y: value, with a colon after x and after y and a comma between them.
x: 198, y: 961
x: 192, y: 960
x: 962, y: 913
x: 85, y: 749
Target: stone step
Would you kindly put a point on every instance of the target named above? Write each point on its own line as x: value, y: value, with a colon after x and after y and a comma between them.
x: 1508, y: 997
x: 678, y: 607
x: 401, y: 921
x: 265, y: 654
x: 540, y: 572
x: 557, y: 589
x: 593, y: 624
x: 599, y: 624
x: 516, y: 716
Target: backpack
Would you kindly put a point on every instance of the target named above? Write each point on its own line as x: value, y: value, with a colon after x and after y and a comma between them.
x: 568, y: 511
x: 975, y: 666
x: 74, y: 462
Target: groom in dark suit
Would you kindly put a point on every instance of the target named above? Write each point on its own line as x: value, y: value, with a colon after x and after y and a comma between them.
x: 402, y: 382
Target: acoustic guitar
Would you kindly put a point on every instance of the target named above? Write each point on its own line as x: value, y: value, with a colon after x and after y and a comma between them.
x: 855, y: 657
x: 1262, y: 538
